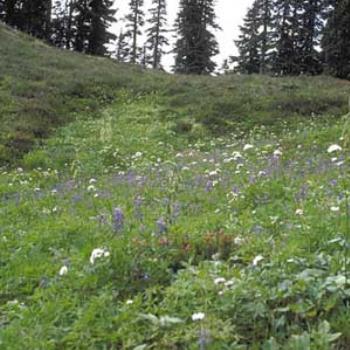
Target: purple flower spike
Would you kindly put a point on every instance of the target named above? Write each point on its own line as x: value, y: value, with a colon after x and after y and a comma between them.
x: 161, y: 225
x: 118, y: 219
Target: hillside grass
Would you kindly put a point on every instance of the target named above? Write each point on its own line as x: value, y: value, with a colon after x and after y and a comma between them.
x: 42, y: 88
x: 215, y: 230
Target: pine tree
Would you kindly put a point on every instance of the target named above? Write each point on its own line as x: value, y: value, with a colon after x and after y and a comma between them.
x: 196, y: 44
x: 101, y: 15
x: 36, y: 17
x: 135, y: 21
x: 2, y: 10
x: 256, y: 39
x: 248, y: 44
x: 11, y: 12
x: 31, y: 16
x: 287, y: 29
x: 62, y: 29
x: 82, y: 25
x: 336, y: 41
x: 312, y: 26
x: 156, y: 39
x: 122, y: 50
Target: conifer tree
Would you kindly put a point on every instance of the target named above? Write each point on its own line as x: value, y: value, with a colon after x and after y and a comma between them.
x: 256, y: 39
x: 336, y: 41
x: 287, y: 29
x: 156, y: 38
x: 312, y: 25
x: 122, y: 50
x: 248, y: 44
x: 62, y: 24
x: 135, y: 21
x: 82, y: 25
x: 196, y: 44
x: 101, y: 17
x: 31, y: 16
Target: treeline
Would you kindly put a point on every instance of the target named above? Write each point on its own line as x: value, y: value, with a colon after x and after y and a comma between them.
x: 293, y: 37
x: 281, y: 37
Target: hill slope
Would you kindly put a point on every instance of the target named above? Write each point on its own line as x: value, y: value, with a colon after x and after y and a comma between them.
x: 128, y: 229
x: 42, y: 88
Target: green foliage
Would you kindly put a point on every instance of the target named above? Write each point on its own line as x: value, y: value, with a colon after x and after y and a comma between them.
x: 42, y: 88
x: 135, y: 226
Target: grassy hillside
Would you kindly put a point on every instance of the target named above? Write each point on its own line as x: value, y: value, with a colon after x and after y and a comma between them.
x: 42, y: 88
x: 137, y: 225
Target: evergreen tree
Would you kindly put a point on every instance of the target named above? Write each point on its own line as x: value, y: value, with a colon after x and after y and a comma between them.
x: 256, y: 39
x: 248, y: 44
x: 312, y: 26
x: 336, y: 41
x: 62, y: 24
x: 31, y: 16
x: 2, y: 10
x: 101, y: 16
x: 156, y: 33
x: 287, y: 29
x: 196, y: 44
x: 135, y: 21
x: 122, y: 50
x: 82, y: 25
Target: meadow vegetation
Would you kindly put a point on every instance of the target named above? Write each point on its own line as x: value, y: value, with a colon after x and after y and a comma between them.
x: 150, y: 211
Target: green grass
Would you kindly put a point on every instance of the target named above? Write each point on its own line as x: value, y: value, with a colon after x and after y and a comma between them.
x: 256, y: 240
x: 42, y: 88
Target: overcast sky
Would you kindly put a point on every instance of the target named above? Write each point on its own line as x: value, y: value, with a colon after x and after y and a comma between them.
x: 230, y: 15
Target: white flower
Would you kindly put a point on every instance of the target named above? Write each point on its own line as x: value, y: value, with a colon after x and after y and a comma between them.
x: 335, y: 209
x: 229, y: 283
x: 63, y: 270
x: 247, y: 147
x: 257, y: 259
x: 91, y: 188
x: 334, y: 148
x: 277, y: 153
x: 198, y: 316
x: 98, y: 253
x: 129, y: 302
x: 92, y: 181
x: 236, y: 155
x: 299, y: 212
x: 238, y: 240
x: 220, y: 280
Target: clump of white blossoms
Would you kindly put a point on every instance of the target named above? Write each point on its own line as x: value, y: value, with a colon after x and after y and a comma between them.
x: 198, y: 316
x: 63, y: 270
x: 278, y: 153
x: 334, y: 148
x: 299, y: 212
x: 219, y: 280
x: 247, y: 147
x: 257, y: 260
x: 98, y: 253
x: 335, y: 209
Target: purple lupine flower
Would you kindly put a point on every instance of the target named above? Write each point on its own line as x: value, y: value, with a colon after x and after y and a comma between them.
x: 204, y: 339
x: 161, y: 226
x: 118, y: 219
x: 209, y: 186
x: 176, y: 209
x: 137, y: 208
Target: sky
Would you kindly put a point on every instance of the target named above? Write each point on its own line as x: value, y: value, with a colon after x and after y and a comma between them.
x: 230, y: 14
